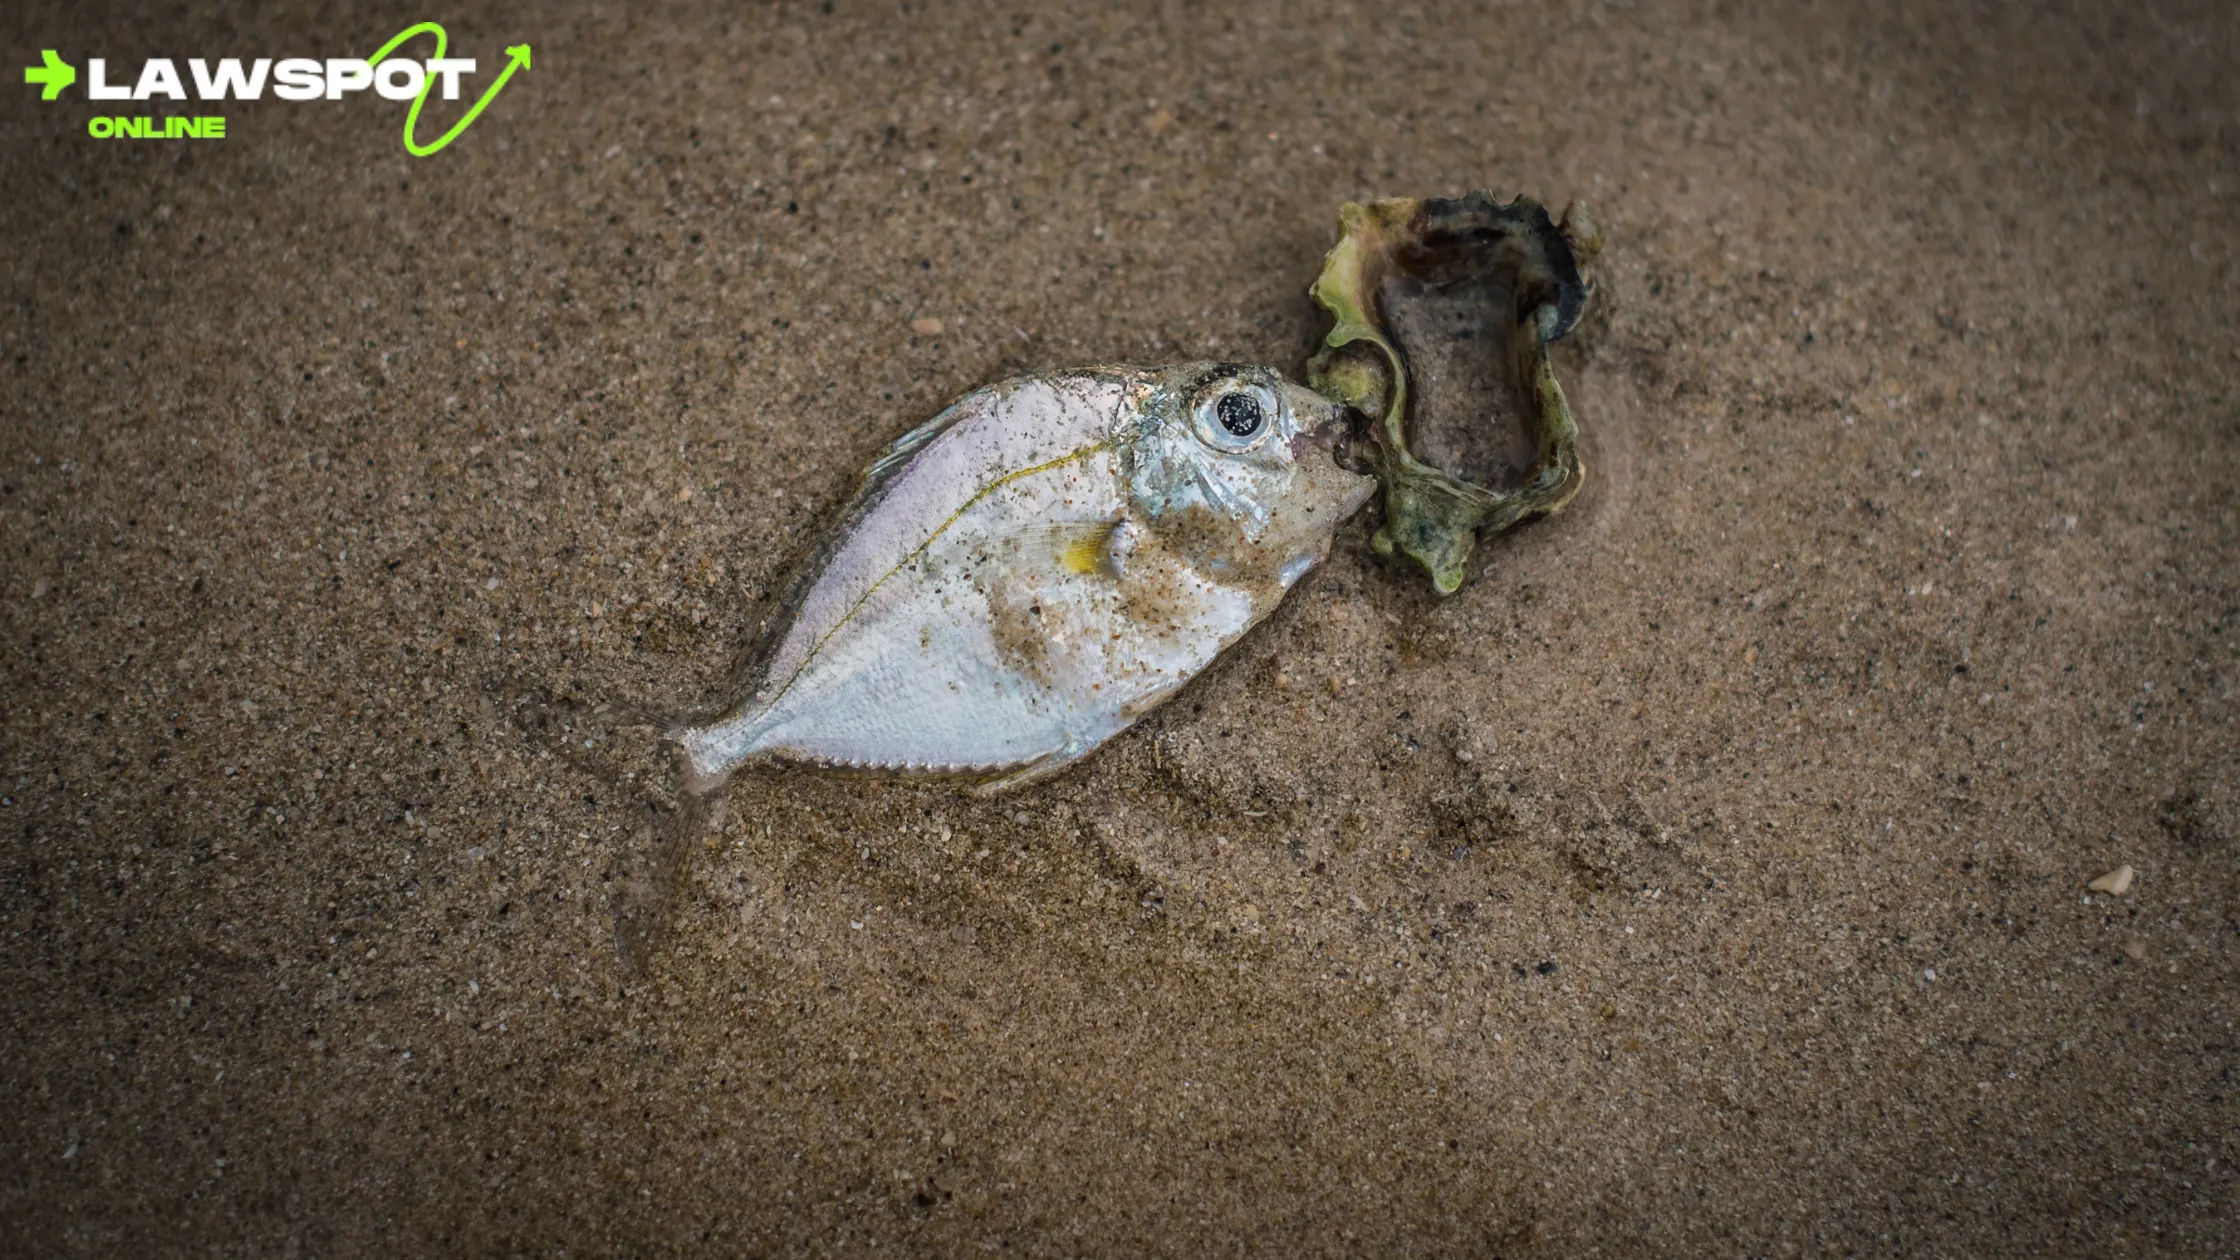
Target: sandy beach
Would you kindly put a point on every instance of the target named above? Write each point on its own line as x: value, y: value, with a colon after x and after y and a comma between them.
x: 1710, y: 876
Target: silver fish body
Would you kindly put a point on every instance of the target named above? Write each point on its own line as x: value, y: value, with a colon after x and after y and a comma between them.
x: 1045, y: 561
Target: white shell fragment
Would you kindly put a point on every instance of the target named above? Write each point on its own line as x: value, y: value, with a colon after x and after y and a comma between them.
x: 1040, y: 565
x: 2115, y: 883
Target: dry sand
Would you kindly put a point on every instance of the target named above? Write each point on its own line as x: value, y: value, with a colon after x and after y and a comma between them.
x: 1708, y: 877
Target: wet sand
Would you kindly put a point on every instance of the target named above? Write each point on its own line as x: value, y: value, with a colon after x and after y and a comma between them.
x: 1708, y: 877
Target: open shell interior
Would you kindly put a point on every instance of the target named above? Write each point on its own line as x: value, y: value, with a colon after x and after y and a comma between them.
x: 1444, y: 309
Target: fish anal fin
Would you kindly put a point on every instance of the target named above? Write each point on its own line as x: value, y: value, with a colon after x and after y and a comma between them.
x: 1035, y: 771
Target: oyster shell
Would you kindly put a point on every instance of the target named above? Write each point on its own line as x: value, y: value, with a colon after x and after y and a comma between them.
x: 1444, y: 309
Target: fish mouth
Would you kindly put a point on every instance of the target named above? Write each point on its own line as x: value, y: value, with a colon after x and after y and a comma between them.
x: 1343, y: 434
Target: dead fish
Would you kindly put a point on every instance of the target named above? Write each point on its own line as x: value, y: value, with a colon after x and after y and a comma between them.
x: 1044, y: 562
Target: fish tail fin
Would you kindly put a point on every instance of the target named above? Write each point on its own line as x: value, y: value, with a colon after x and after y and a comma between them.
x: 656, y: 869
x: 595, y: 737
x: 653, y: 871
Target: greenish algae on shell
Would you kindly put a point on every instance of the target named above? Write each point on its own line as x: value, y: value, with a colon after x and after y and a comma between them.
x: 1444, y: 309
x: 1027, y: 574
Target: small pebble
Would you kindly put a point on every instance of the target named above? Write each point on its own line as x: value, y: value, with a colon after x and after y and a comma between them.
x: 2115, y: 883
x: 926, y: 327
x: 2135, y: 949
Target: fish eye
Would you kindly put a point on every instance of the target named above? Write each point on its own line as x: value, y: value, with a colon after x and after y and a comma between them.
x: 1236, y: 416
x: 1240, y: 413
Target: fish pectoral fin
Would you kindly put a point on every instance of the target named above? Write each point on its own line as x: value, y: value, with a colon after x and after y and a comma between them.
x: 1083, y: 552
x: 1077, y: 547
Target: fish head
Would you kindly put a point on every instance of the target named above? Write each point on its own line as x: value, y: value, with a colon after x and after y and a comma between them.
x: 1243, y: 474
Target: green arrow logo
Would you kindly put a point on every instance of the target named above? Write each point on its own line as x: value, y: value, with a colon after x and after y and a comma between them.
x: 58, y: 74
x: 518, y: 59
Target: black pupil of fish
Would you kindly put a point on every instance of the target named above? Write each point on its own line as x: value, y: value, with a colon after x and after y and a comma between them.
x: 1240, y: 414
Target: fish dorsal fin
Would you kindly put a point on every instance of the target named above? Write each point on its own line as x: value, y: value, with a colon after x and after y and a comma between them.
x: 899, y: 452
